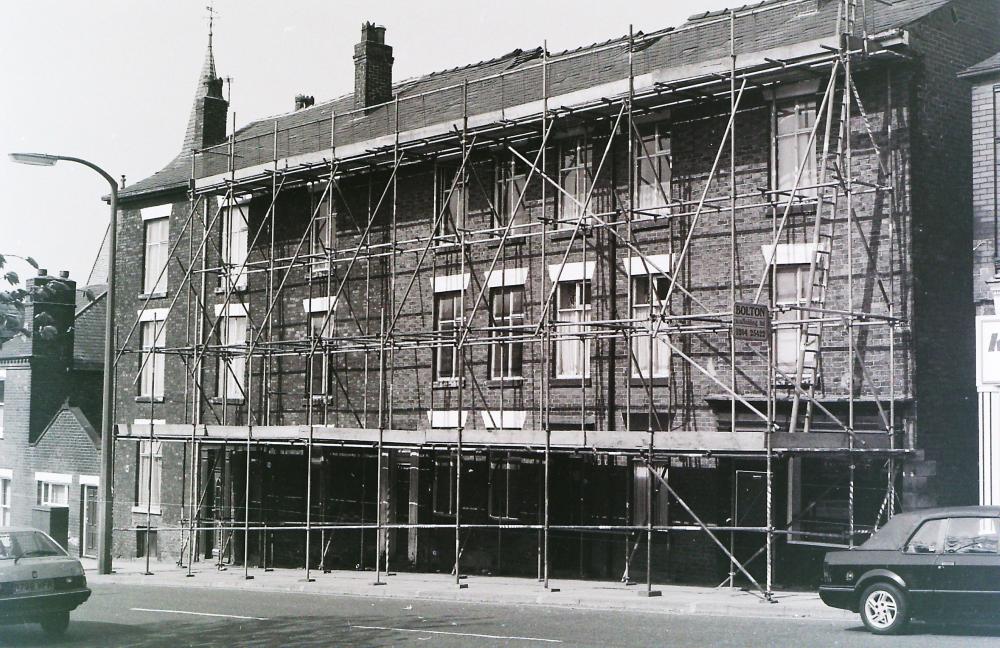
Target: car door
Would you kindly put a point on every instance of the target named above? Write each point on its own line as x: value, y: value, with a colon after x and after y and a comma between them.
x: 917, y: 563
x: 969, y: 565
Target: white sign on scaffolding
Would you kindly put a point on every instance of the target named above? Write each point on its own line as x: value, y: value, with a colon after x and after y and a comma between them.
x: 751, y: 322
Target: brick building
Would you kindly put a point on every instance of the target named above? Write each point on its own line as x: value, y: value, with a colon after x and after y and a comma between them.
x: 495, y: 311
x: 984, y: 79
x: 50, y: 410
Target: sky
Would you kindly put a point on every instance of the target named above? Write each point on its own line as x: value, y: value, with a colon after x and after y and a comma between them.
x: 112, y: 81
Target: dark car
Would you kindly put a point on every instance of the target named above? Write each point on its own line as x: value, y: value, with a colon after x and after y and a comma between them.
x: 920, y: 564
x: 39, y: 582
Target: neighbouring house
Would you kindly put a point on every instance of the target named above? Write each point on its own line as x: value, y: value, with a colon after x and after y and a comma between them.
x: 50, y: 410
x: 984, y: 187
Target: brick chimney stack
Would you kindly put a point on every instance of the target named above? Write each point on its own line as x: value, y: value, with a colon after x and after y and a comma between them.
x: 372, y: 67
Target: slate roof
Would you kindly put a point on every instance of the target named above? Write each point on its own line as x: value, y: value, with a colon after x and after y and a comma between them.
x: 704, y: 37
x: 89, y: 322
x: 992, y: 64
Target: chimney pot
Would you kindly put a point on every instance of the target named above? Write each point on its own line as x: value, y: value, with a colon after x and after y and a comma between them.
x: 64, y: 274
x: 304, y: 101
x: 42, y: 272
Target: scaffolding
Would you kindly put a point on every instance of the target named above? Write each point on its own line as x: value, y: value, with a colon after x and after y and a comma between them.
x: 372, y: 277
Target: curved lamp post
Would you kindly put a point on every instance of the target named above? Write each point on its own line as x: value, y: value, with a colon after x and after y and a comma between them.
x: 107, y: 442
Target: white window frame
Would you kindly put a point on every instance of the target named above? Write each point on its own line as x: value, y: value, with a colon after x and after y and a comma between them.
x: 570, y: 320
x: 504, y: 326
x: 316, y: 312
x: 52, y: 489
x: 323, y: 237
x: 457, y: 207
x: 653, y: 153
x: 511, y: 179
x: 441, y: 372
x: 574, y: 179
x: 644, y: 366
x: 230, y: 379
x: 155, y: 252
x: 150, y: 453
x: 798, y: 136
x: 152, y: 336
x: 6, y: 499
x: 791, y: 258
x: 235, y: 244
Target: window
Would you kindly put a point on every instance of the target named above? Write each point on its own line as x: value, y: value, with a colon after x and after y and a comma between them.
x: 150, y: 468
x: 234, y: 245
x: 232, y: 364
x: 572, y: 350
x: 5, y: 502
x: 454, y: 206
x: 972, y: 536
x: 794, y: 119
x: 506, y: 313
x: 652, y: 171
x: 447, y: 321
x: 651, y: 358
x: 321, y: 367
x: 444, y: 486
x: 153, y: 334
x: 504, y: 497
x: 574, y: 178
x: 3, y: 380
x: 644, y: 487
x: 323, y: 241
x: 155, y: 261
x: 791, y: 283
x: 52, y: 494
x: 927, y: 538
x: 512, y: 179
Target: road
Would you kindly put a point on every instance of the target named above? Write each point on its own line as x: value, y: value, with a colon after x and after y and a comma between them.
x: 131, y: 615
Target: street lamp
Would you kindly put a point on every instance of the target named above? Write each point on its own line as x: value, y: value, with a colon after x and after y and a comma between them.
x: 107, y: 443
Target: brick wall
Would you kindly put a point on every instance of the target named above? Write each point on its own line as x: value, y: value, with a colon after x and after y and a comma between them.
x: 915, y: 246
x: 984, y: 165
x: 949, y: 40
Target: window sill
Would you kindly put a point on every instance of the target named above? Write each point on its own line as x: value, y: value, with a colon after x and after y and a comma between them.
x: 647, y: 223
x: 155, y: 295
x: 566, y: 233
x: 155, y: 510
x: 662, y: 381
x: 445, y: 246
x: 319, y: 273
x: 445, y: 384
x: 806, y: 206
x: 505, y: 382
x: 221, y: 290
x: 148, y: 399
x: 518, y: 237
x: 219, y: 400
x: 322, y: 398
x: 569, y: 382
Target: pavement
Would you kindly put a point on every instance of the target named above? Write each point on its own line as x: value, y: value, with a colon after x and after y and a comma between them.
x: 563, y: 593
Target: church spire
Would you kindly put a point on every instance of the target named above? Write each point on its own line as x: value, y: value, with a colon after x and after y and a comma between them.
x: 207, y: 123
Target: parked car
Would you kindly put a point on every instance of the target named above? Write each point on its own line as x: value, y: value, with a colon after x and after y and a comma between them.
x: 39, y: 581
x: 920, y: 564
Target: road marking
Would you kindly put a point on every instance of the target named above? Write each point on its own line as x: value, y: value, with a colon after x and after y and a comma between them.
x: 207, y: 614
x: 456, y: 634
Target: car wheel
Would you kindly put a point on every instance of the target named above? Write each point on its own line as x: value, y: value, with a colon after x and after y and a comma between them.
x: 55, y: 624
x: 884, y: 609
